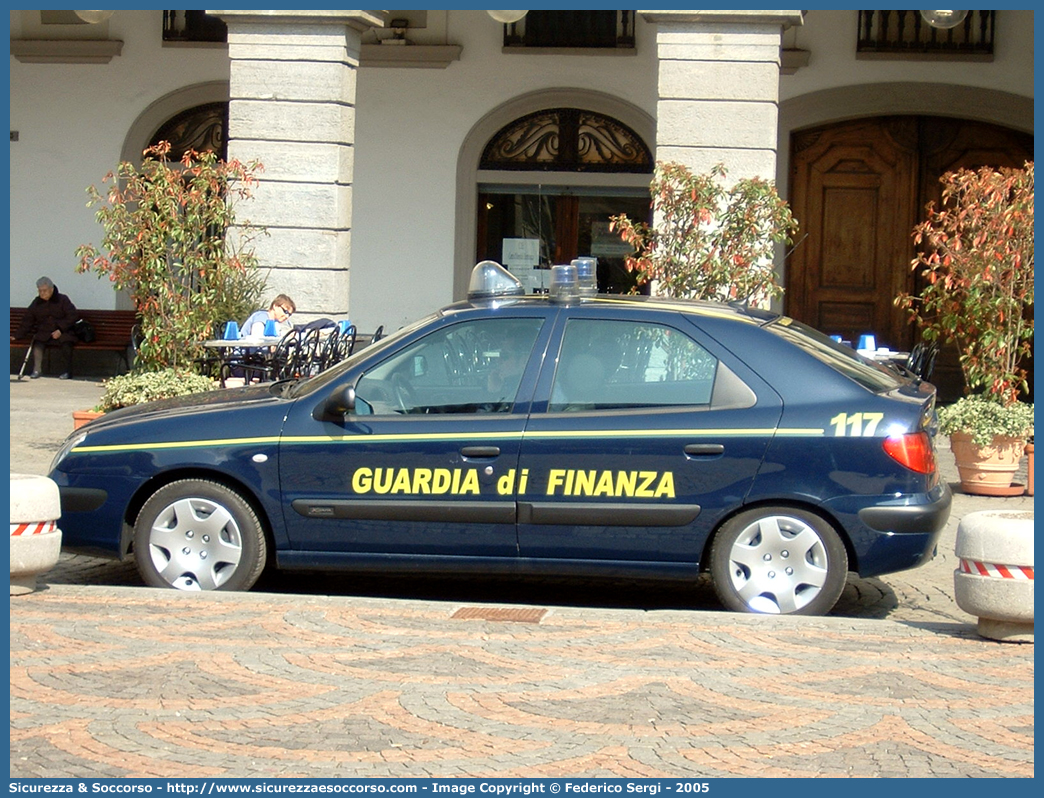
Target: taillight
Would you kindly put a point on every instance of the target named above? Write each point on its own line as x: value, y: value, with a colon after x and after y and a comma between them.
x: 913, y: 450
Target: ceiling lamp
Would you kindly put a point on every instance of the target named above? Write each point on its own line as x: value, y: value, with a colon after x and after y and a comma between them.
x: 93, y: 17
x: 507, y: 17
x: 944, y: 19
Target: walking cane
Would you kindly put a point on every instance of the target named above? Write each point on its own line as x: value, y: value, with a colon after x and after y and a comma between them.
x: 28, y: 352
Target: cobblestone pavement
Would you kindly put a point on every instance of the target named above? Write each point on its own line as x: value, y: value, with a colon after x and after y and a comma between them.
x: 334, y: 676
x: 112, y: 682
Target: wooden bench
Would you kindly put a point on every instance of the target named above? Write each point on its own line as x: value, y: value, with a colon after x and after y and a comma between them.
x: 112, y: 329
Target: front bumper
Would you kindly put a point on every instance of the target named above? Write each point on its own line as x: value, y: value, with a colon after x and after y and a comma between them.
x: 92, y: 514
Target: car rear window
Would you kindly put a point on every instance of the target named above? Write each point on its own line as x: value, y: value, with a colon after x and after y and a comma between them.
x: 872, y: 376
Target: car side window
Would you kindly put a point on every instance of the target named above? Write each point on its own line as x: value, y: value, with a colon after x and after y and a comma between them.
x: 471, y: 367
x: 611, y: 365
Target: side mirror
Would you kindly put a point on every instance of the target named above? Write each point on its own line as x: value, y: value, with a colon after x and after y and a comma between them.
x: 336, y: 406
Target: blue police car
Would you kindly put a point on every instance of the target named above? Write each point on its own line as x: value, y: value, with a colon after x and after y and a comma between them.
x: 565, y: 434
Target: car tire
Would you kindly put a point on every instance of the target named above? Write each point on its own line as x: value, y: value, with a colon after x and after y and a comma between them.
x: 195, y: 534
x: 778, y: 560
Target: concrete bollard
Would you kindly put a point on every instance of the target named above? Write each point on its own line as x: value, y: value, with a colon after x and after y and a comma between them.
x: 36, y: 540
x: 994, y: 578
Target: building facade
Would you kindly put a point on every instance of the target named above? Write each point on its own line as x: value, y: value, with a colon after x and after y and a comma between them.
x: 400, y: 147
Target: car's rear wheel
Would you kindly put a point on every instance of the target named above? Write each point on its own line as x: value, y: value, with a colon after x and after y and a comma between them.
x: 778, y: 560
x: 195, y: 534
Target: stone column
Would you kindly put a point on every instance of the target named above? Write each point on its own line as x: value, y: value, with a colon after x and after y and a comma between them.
x: 719, y: 88
x: 292, y: 107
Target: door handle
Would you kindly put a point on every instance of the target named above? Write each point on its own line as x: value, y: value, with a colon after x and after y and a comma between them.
x: 704, y: 449
x: 480, y: 451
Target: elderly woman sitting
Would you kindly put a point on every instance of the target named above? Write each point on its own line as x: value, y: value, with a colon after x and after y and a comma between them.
x: 48, y: 321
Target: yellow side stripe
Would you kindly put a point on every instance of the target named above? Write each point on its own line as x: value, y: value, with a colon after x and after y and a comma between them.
x: 674, y: 433
x: 443, y: 436
x: 145, y: 447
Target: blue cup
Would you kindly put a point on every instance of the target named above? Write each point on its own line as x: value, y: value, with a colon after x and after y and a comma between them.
x: 231, y: 331
x: 345, y: 326
x: 270, y: 329
x: 836, y: 338
x: 867, y: 342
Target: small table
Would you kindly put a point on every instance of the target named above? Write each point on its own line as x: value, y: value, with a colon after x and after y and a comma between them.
x: 230, y: 349
x: 242, y: 343
x: 884, y: 355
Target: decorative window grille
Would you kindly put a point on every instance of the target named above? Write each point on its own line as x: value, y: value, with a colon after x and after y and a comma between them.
x: 573, y: 29
x: 906, y: 32
x: 567, y: 139
x: 202, y: 129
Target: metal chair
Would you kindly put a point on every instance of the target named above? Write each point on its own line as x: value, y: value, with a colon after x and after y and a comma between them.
x: 283, y: 362
x: 921, y: 362
x: 346, y: 343
x: 327, y: 351
x: 309, y: 352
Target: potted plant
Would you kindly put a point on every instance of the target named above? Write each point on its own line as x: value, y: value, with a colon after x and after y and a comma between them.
x: 987, y: 439
x: 708, y: 241
x: 977, y: 267
x: 171, y: 239
x: 136, y: 387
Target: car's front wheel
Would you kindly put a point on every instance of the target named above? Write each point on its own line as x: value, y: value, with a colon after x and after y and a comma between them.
x: 778, y: 560
x: 195, y: 534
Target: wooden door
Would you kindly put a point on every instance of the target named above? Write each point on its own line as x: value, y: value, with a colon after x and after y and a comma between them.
x: 853, y: 190
x: 857, y: 189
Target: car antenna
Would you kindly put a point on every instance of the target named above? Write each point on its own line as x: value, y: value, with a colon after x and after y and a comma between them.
x: 744, y: 304
x: 798, y: 244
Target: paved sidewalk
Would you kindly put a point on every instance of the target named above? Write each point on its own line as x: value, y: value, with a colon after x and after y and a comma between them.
x: 336, y: 676
x: 114, y: 682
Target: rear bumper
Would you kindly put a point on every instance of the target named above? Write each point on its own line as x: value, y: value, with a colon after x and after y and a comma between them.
x: 889, y: 535
x: 911, y: 519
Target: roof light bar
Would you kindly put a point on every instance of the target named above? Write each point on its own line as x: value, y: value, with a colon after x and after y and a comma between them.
x: 490, y: 280
x: 587, y: 274
x: 565, y: 284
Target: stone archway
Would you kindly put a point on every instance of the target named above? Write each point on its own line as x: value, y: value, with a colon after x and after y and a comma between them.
x: 157, y: 114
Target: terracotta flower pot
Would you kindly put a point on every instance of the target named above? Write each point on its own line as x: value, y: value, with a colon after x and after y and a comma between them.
x: 81, y: 417
x: 988, y: 470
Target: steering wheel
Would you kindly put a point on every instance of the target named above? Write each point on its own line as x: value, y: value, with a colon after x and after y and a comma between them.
x: 403, y: 393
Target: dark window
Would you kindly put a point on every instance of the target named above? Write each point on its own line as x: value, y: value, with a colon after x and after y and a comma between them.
x: 618, y: 365
x: 906, y: 32
x: 471, y: 367
x: 571, y: 29
x: 839, y: 357
x: 193, y: 26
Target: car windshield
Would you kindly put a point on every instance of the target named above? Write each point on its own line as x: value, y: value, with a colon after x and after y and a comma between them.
x: 305, y: 387
x: 872, y: 376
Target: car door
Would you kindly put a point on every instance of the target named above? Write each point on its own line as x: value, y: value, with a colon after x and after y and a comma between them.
x: 643, y: 436
x: 424, y: 464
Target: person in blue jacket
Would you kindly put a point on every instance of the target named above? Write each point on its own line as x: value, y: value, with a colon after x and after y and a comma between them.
x: 280, y: 310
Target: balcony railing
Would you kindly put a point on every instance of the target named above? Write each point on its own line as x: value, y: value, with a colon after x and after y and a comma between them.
x: 572, y: 29
x: 193, y: 26
x: 906, y: 32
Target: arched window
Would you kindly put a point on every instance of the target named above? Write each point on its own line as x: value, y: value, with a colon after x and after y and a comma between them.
x: 567, y: 139
x: 550, y: 183
x: 201, y: 128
